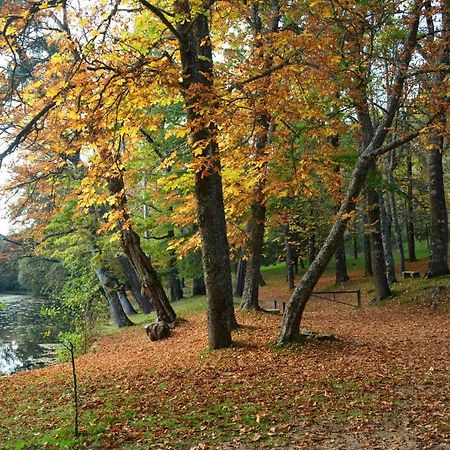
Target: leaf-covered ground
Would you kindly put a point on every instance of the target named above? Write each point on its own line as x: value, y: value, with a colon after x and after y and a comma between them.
x: 384, y: 384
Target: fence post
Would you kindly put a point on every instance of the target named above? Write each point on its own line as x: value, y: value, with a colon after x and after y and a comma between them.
x: 358, y: 297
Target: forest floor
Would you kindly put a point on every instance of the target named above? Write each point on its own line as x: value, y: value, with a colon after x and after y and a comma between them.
x: 383, y: 384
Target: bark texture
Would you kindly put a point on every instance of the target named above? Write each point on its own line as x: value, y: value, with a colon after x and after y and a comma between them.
x: 151, y: 285
x: 125, y: 302
x: 341, y: 263
x: 376, y: 242
x: 394, y: 213
x: 289, y: 251
x: 438, y: 262
x: 127, y: 268
x: 410, y: 233
x: 368, y: 269
x: 386, y: 232
x: 250, y: 293
x: 198, y: 286
x: 240, y: 277
x: 196, y: 85
x: 111, y: 289
x: 294, y: 309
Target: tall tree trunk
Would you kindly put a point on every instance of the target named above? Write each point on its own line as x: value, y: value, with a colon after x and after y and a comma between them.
x: 355, y: 245
x: 197, y: 89
x: 289, y: 258
x: 410, y: 210
x: 294, y: 309
x: 126, y: 305
x: 368, y: 269
x: 127, y: 268
x: 393, y: 210
x: 110, y: 289
x: 257, y: 223
x: 376, y: 242
x: 373, y: 203
x: 240, y: 277
x: 341, y: 262
x: 250, y: 294
x: 176, y: 291
x: 386, y: 230
x: 296, y: 261
x: 438, y: 262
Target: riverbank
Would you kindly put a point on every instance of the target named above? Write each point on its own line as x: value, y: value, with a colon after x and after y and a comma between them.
x: 27, y: 339
x: 384, y: 383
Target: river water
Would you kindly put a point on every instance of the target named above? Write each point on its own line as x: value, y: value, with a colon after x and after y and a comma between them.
x: 27, y: 340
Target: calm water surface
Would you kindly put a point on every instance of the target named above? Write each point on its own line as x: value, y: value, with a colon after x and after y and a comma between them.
x: 24, y: 343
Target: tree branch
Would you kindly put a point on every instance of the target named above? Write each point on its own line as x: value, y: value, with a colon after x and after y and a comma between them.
x: 25, y: 131
x: 158, y: 13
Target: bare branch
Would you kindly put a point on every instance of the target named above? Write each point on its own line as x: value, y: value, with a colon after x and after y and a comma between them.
x: 161, y: 16
x: 25, y: 131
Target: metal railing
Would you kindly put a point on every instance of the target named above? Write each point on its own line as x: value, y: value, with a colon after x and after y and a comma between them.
x: 323, y: 295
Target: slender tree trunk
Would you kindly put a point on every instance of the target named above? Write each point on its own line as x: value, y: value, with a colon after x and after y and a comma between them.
x: 368, y: 269
x: 176, y: 291
x: 438, y: 262
x: 355, y: 245
x: 312, y: 251
x: 394, y: 214
x: 294, y: 309
x: 296, y: 258
x: 410, y: 211
x: 198, y: 286
x: 257, y: 223
x: 240, y: 277
x: 373, y: 205
x: 302, y: 263
x: 289, y: 258
x: 111, y: 289
x: 341, y: 263
x: 386, y: 230
x: 143, y: 302
x: 126, y: 305
x: 252, y: 275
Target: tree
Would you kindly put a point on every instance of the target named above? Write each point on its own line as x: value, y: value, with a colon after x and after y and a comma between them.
x: 194, y: 41
x: 262, y: 128
x: 439, y: 59
x: 294, y: 310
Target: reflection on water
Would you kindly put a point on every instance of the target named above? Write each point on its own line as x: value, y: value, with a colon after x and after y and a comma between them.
x: 24, y: 343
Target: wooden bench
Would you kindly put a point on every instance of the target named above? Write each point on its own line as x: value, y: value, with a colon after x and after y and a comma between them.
x: 273, y: 305
x: 410, y: 274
